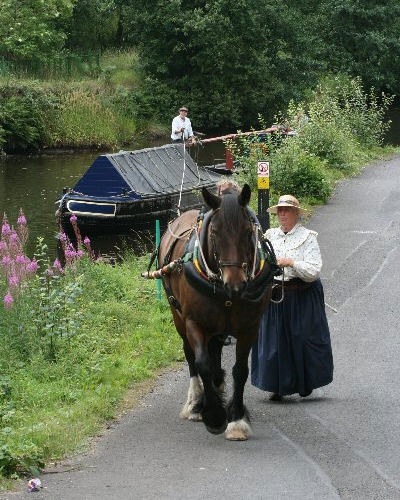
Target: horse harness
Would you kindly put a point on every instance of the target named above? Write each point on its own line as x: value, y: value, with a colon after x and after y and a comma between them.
x: 202, y: 278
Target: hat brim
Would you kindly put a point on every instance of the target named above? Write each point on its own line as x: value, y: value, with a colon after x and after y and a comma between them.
x: 274, y: 209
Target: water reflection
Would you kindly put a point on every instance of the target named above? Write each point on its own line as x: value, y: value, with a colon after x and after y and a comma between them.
x: 34, y: 183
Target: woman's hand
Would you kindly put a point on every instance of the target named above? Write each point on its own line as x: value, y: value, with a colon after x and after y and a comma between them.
x: 285, y: 262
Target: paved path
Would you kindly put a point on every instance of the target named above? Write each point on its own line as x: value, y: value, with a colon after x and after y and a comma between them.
x: 345, y: 444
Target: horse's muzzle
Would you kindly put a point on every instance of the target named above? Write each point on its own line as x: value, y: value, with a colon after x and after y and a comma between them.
x: 235, y: 290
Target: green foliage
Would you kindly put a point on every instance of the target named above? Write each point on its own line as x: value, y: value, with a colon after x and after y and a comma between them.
x: 299, y: 173
x: 342, y: 119
x: 361, y: 38
x: 102, y: 16
x: 221, y: 57
x: 25, y: 114
x: 54, y: 300
x: 84, y: 119
x: 123, y: 335
x: 22, y: 457
x: 341, y: 125
x: 32, y: 29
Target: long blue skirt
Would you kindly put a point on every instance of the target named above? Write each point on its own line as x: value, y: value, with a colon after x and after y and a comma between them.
x: 293, y: 352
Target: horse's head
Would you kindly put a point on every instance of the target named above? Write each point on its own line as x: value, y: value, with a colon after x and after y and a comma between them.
x: 230, y: 237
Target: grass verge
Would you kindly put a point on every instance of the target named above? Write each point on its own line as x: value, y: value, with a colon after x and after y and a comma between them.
x: 50, y: 407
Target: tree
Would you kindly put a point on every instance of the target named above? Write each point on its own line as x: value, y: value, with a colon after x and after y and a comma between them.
x: 32, y: 29
x: 227, y: 60
x: 362, y: 37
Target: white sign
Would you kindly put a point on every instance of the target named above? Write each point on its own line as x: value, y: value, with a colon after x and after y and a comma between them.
x: 263, y: 168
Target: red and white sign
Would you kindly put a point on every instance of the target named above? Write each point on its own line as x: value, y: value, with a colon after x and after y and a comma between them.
x: 263, y: 168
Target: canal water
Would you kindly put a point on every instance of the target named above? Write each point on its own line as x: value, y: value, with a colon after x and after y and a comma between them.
x: 35, y: 183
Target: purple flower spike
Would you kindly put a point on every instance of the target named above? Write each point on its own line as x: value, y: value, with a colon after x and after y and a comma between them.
x: 5, y: 228
x: 80, y: 253
x: 32, y: 267
x: 62, y: 237
x: 8, y: 301
x: 6, y: 260
x: 20, y: 259
x: 57, y: 265
x: 86, y: 241
x: 73, y: 218
x: 3, y: 245
x: 13, y: 236
x: 21, y: 218
x: 13, y: 280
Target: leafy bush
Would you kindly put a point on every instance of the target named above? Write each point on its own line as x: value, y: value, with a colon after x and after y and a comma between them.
x: 329, y: 142
x: 25, y: 113
x: 298, y: 172
x: 341, y: 120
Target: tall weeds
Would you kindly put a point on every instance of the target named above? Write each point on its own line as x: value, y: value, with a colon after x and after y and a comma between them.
x: 333, y: 132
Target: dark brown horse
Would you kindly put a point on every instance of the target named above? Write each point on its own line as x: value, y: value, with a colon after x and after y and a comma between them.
x: 220, y: 284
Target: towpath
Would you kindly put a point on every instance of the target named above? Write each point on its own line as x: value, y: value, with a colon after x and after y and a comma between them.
x: 345, y: 444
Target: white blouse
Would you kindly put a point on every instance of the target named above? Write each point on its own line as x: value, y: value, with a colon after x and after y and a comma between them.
x: 301, y: 245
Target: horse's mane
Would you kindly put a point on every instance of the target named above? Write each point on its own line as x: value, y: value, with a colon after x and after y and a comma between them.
x: 230, y: 208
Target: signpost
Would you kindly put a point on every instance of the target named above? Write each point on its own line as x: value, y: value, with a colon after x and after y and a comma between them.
x: 263, y: 193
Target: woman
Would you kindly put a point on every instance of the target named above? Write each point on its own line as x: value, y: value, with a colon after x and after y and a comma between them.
x: 293, y: 353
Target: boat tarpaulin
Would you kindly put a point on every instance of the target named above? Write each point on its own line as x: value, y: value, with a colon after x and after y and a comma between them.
x: 144, y: 172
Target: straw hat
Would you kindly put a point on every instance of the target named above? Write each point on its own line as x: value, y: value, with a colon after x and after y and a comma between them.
x: 287, y: 200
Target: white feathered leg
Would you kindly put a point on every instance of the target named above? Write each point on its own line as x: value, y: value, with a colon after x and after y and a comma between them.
x: 195, y: 394
x: 239, y: 430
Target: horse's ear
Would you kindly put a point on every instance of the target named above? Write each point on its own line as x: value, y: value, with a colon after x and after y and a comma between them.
x: 244, y: 196
x: 212, y: 200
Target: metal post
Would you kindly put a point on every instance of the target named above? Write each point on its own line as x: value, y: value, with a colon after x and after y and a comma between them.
x: 263, y: 193
x: 157, y: 246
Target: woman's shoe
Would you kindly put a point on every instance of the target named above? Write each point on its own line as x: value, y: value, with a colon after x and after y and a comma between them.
x: 275, y: 397
x: 305, y: 394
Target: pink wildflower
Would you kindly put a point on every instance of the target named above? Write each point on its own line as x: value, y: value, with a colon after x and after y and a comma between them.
x: 80, y: 253
x: 6, y: 260
x: 70, y: 254
x: 21, y: 259
x: 14, y: 240
x: 73, y: 218
x: 62, y: 237
x: 3, y: 245
x: 13, y: 280
x: 21, y: 218
x: 8, y: 301
x: 57, y: 265
x: 86, y: 241
x: 32, y: 267
x: 5, y: 228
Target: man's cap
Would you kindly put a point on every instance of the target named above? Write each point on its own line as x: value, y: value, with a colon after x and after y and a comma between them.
x: 183, y: 108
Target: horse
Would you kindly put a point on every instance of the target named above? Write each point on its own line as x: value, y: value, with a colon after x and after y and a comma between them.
x: 217, y: 272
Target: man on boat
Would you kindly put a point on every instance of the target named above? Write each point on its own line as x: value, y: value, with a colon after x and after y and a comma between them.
x: 181, y: 126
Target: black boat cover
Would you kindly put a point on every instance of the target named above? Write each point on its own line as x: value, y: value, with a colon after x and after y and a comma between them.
x: 143, y: 173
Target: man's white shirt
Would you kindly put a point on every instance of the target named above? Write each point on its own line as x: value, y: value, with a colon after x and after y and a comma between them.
x: 178, y: 123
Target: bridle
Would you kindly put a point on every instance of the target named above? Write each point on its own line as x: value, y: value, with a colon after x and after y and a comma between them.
x: 227, y: 263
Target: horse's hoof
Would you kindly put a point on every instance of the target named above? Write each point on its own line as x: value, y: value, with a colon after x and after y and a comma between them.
x: 238, y: 431
x: 195, y: 417
x: 217, y: 430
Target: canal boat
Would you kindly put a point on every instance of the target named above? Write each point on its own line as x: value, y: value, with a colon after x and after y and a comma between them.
x: 131, y: 189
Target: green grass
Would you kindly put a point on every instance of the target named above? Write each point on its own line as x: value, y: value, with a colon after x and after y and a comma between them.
x: 105, y: 111
x: 121, y: 67
x: 51, y: 408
